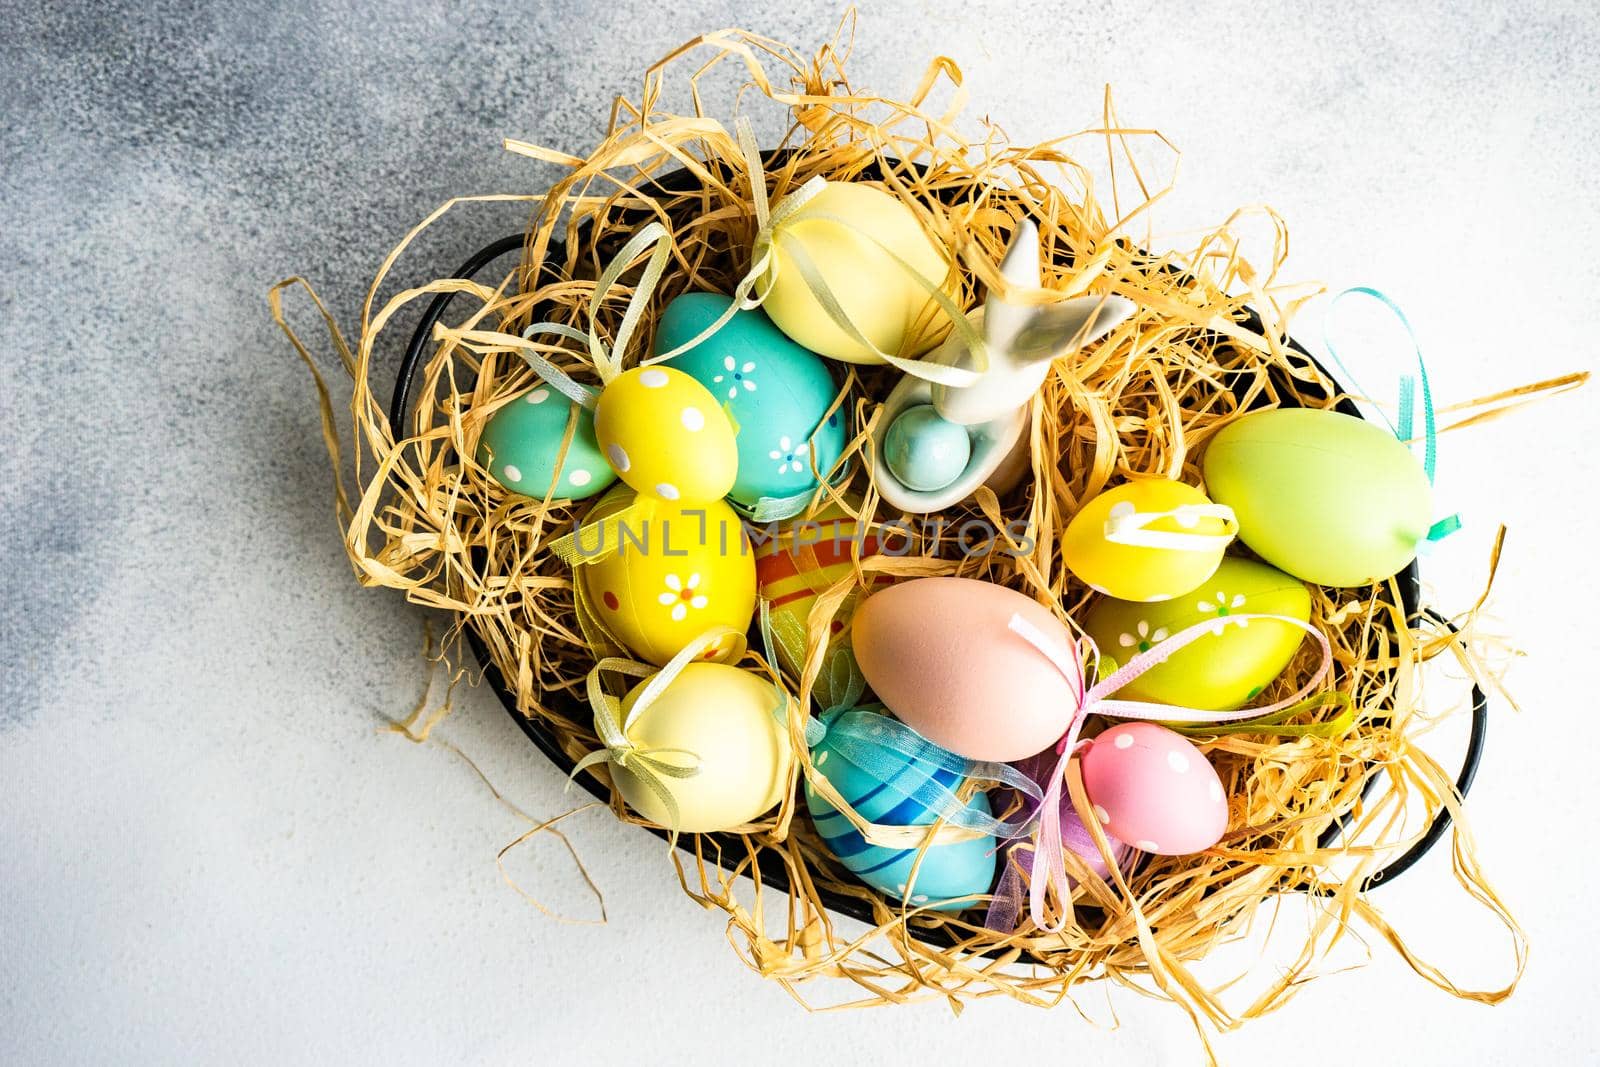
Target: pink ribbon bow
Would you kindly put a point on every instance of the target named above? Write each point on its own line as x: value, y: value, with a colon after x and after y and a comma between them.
x: 1048, y: 868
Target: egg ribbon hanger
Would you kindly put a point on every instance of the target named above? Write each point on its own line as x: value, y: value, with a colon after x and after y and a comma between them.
x: 1409, y: 388
x: 652, y: 238
x: 652, y: 766
x: 770, y: 232
x: 844, y: 679
x: 882, y: 746
x: 1048, y: 871
x: 1133, y: 527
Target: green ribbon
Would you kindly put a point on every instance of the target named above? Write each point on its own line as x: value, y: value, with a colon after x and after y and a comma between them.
x: 845, y: 682
x: 1410, y: 386
x: 1278, y: 722
x: 776, y: 508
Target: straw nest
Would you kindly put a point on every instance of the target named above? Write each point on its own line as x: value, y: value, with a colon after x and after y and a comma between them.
x: 424, y: 518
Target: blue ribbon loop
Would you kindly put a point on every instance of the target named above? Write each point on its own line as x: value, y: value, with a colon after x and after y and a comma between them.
x: 1410, y: 385
x: 882, y: 746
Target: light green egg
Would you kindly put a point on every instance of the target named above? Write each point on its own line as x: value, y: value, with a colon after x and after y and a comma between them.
x: 1327, y: 497
x: 522, y: 443
x: 1222, y: 670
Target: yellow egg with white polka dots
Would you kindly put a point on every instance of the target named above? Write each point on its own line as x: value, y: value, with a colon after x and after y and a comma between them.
x: 664, y: 572
x: 666, y: 436
x: 1147, y: 540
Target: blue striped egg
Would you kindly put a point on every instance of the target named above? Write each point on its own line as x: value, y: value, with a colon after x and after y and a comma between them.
x: 954, y: 870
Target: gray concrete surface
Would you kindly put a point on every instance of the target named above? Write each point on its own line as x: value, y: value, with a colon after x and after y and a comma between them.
x: 208, y: 853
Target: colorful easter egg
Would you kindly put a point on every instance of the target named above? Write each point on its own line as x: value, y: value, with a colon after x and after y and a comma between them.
x: 521, y: 446
x: 882, y: 792
x: 666, y: 435
x: 1152, y: 788
x: 1226, y: 668
x: 940, y: 654
x: 792, y: 568
x: 731, y: 721
x: 1145, y: 560
x: 665, y: 573
x: 869, y: 248
x: 777, y: 392
x: 1328, y: 497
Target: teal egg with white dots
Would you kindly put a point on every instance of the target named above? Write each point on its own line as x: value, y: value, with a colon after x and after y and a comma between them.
x: 925, y: 451
x: 776, y: 391
x: 882, y: 793
x: 522, y: 443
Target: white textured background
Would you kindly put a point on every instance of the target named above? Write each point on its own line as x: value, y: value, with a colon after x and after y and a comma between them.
x: 207, y: 853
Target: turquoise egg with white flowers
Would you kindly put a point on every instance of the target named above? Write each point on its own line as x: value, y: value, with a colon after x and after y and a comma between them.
x: 777, y: 392
x: 521, y: 447
x: 882, y: 792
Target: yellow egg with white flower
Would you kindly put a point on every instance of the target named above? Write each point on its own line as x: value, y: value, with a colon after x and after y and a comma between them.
x: 663, y: 573
x: 1226, y: 668
x: 666, y: 435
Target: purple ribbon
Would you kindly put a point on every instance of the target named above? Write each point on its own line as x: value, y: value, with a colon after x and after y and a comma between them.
x: 1048, y: 867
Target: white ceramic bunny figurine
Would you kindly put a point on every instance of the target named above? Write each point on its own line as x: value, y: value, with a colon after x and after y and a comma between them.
x: 939, y: 442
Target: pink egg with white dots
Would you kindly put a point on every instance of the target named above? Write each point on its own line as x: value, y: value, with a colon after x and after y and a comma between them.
x: 1153, y: 789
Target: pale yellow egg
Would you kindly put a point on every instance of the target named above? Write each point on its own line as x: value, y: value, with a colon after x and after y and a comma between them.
x: 852, y: 233
x: 732, y: 721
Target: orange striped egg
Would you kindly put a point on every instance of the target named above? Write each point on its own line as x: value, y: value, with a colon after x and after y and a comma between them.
x: 792, y: 569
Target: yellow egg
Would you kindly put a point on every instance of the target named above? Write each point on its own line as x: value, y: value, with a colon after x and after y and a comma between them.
x: 665, y: 573
x: 1144, y: 572
x: 845, y: 231
x: 732, y: 721
x: 666, y: 436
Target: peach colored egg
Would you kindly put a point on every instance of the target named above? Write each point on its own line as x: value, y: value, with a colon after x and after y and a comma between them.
x: 1153, y: 789
x: 938, y: 653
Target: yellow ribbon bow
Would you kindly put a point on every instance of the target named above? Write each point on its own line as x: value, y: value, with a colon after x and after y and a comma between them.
x: 649, y: 765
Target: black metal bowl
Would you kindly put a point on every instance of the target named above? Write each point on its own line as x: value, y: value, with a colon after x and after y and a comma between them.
x: 772, y: 870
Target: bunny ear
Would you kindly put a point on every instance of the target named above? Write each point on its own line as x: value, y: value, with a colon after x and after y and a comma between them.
x: 1068, y: 326
x: 1033, y: 334
x: 1001, y: 320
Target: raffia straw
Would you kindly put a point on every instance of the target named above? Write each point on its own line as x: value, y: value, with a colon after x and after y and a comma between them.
x: 425, y: 519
